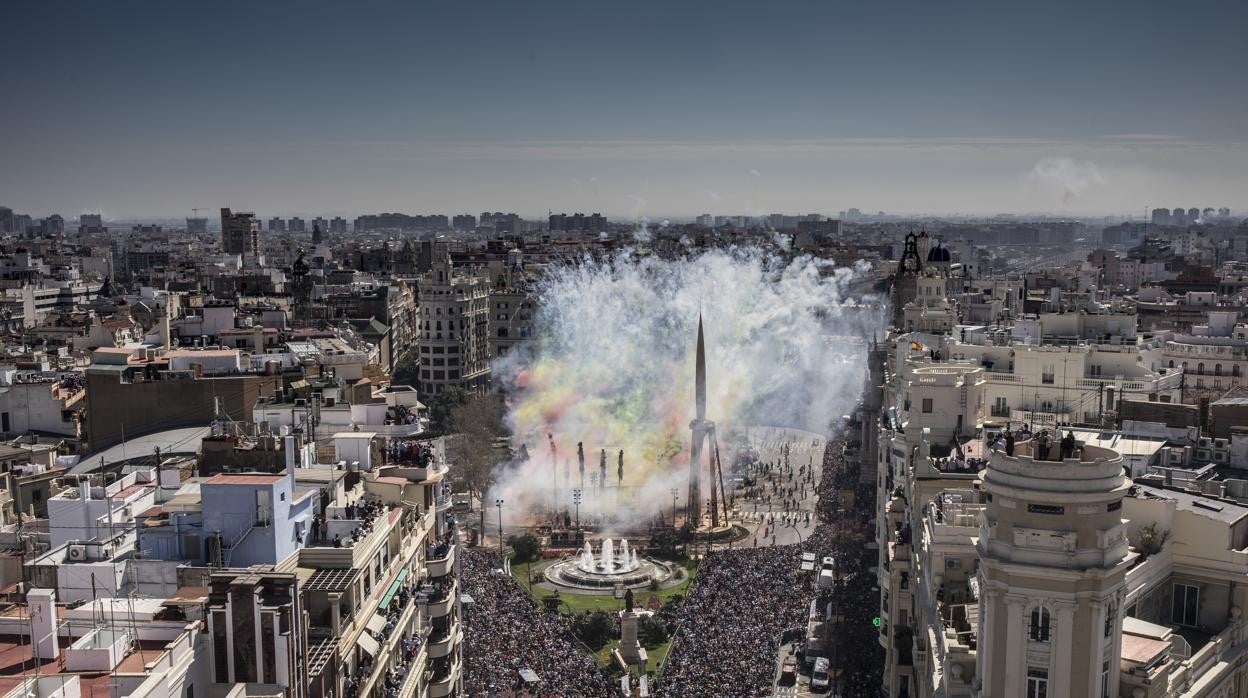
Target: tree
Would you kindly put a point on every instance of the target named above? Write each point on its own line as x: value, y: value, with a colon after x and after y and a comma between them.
x: 1152, y: 540
x: 407, y: 369
x: 595, y: 629
x: 525, y: 547
x: 477, y: 422
x: 667, y: 545
x: 441, y: 407
x: 651, y: 631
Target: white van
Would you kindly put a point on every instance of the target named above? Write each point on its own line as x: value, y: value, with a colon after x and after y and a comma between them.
x: 819, y: 681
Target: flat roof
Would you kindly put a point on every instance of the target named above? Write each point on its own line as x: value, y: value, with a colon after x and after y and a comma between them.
x: 1209, y: 507
x: 1122, y: 444
x: 1142, y: 650
x: 184, y: 441
x: 243, y: 479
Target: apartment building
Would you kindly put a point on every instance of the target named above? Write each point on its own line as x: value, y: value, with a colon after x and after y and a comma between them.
x: 454, y: 328
x: 1022, y: 554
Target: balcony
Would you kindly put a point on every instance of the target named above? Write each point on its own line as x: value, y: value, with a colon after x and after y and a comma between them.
x: 444, y: 683
x: 386, y: 657
x: 441, y: 604
x: 441, y: 566
x: 442, y: 646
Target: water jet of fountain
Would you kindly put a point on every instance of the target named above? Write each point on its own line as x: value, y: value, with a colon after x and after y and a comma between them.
x: 608, y: 556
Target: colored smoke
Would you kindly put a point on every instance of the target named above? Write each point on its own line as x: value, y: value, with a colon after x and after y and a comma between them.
x: 612, y: 366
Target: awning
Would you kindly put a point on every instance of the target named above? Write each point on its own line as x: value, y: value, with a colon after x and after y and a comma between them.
x: 377, y: 623
x: 368, y: 643
x: 394, y: 588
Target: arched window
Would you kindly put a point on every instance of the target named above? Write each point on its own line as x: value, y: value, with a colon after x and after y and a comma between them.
x: 1200, y: 368
x: 1039, y: 628
x: 1111, y: 615
x: 1235, y: 370
x: 1185, y: 367
x: 1217, y: 369
x: 1171, y: 363
x: 502, y: 332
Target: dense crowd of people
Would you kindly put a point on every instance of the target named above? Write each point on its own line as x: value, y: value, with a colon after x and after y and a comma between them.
x: 505, y: 631
x: 743, y: 601
x: 730, y: 625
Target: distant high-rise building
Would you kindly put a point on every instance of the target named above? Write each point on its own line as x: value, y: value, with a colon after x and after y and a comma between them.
x: 464, y: 221
x: 705, y: 219
x: 338, y: 225
x: 1193, y: 214
x: 578, y: 223
x: 277, y: 225
x: 240, y: 233
x: 1161, y: 216
x: 52, y: 225
x: 91, y: 224
x: 320, y: 222
x: 8, y: 223
x: 197, y: 226
x: 294, y: 225
x: 1224, y: 212
x: 317, y: 234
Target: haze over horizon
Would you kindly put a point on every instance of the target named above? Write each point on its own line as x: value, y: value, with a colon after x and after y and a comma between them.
x: 150, y: 109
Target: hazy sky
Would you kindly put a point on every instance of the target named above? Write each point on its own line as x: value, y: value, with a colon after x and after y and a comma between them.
x: 629, y: 108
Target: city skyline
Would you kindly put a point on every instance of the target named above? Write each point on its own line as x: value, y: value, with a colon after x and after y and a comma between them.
x: 638, y: 111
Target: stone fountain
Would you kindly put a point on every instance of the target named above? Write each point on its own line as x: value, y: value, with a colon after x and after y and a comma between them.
x: 610, y: 568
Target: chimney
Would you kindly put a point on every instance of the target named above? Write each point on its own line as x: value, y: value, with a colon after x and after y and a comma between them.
x: 45, y: 644
x: 290, y: 450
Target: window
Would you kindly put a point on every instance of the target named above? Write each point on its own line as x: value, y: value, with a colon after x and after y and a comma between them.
x: 1055, y: 509
x: 1217, y: 369
x: 927, y: 405
x: 1235, y: 370
x: 1039, y: 627
x: 1111, y: 614
x: 1200, y: 368
x: 1037, y: 683
x: 1185, y: 605
x: 1046, y: 376
x: 1105, y: 679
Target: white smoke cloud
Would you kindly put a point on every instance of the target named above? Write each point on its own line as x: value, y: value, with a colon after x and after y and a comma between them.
x: 612, y: 364
x: 1069, y: 176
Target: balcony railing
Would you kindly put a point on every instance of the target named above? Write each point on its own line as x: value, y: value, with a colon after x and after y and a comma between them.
x: 444, y: 682
x: 441, y: 566
x: 442, y: 646
x: 441, y: 604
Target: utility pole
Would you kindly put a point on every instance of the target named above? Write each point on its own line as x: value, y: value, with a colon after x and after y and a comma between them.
x: 499, y: 503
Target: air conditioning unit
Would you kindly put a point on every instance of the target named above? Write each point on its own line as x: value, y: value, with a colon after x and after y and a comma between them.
x: 77, y: 553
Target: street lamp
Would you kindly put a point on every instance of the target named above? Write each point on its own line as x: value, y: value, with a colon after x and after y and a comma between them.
x: 675, y: 491
x: 499, y: 503
x: 576, y: 497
